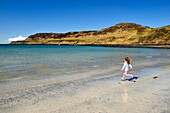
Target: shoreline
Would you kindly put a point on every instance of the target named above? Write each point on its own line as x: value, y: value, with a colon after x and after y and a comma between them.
x: 157, y: 46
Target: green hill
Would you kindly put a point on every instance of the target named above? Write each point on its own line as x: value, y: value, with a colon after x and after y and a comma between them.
x: 122, y: 33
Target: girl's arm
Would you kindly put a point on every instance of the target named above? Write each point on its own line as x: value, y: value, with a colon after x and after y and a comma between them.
x: 123, y: 66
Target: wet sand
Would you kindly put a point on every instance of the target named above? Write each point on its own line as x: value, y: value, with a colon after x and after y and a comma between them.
x: 104, y: 93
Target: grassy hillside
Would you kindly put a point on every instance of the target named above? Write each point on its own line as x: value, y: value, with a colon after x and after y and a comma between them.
x: 122, y: 33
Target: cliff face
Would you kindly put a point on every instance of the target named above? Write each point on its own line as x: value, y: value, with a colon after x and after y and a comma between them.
x: 122, y: 33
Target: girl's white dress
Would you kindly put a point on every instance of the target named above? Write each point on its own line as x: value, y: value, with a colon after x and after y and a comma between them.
x: 126, y: 66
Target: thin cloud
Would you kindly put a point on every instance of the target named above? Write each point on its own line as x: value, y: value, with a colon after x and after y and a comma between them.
x: 19, y: 38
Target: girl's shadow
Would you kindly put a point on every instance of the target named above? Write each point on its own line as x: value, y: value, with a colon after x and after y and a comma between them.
x: 131, y: 79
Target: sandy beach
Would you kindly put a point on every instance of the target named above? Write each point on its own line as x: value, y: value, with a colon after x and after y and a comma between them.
x: 104, y: 93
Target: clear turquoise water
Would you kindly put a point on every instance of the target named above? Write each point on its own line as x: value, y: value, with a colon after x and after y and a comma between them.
x: 38, y: 61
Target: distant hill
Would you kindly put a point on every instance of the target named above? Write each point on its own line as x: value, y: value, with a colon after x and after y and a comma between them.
x: 122, y: 33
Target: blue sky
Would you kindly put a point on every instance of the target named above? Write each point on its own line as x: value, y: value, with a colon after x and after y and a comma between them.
x: 27, y: 17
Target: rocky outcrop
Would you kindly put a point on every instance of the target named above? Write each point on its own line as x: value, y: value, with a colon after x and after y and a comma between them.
x: 122, y: 33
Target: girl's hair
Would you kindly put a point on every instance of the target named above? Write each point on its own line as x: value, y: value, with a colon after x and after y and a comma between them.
x: 127, y: 60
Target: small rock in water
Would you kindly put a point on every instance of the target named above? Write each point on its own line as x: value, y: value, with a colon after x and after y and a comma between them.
x: 155, y: 77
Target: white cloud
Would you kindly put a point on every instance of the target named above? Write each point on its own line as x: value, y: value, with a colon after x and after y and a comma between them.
x: 19, y: 38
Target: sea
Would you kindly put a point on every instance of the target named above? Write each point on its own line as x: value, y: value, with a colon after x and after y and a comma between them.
x: 20, y: 63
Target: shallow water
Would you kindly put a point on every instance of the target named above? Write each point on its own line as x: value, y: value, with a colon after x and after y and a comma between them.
x: 35, y: 62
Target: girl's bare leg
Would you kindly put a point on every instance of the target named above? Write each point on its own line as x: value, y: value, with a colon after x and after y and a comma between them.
x: 130, y: 75
x: 127, y: 74
x: 123, y: 77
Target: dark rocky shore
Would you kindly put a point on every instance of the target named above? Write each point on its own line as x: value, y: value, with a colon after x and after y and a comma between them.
x: 165, y: 46
x: 161, y: 46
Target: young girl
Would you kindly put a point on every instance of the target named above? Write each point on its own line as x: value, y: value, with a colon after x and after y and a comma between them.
x: 126, y: 67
